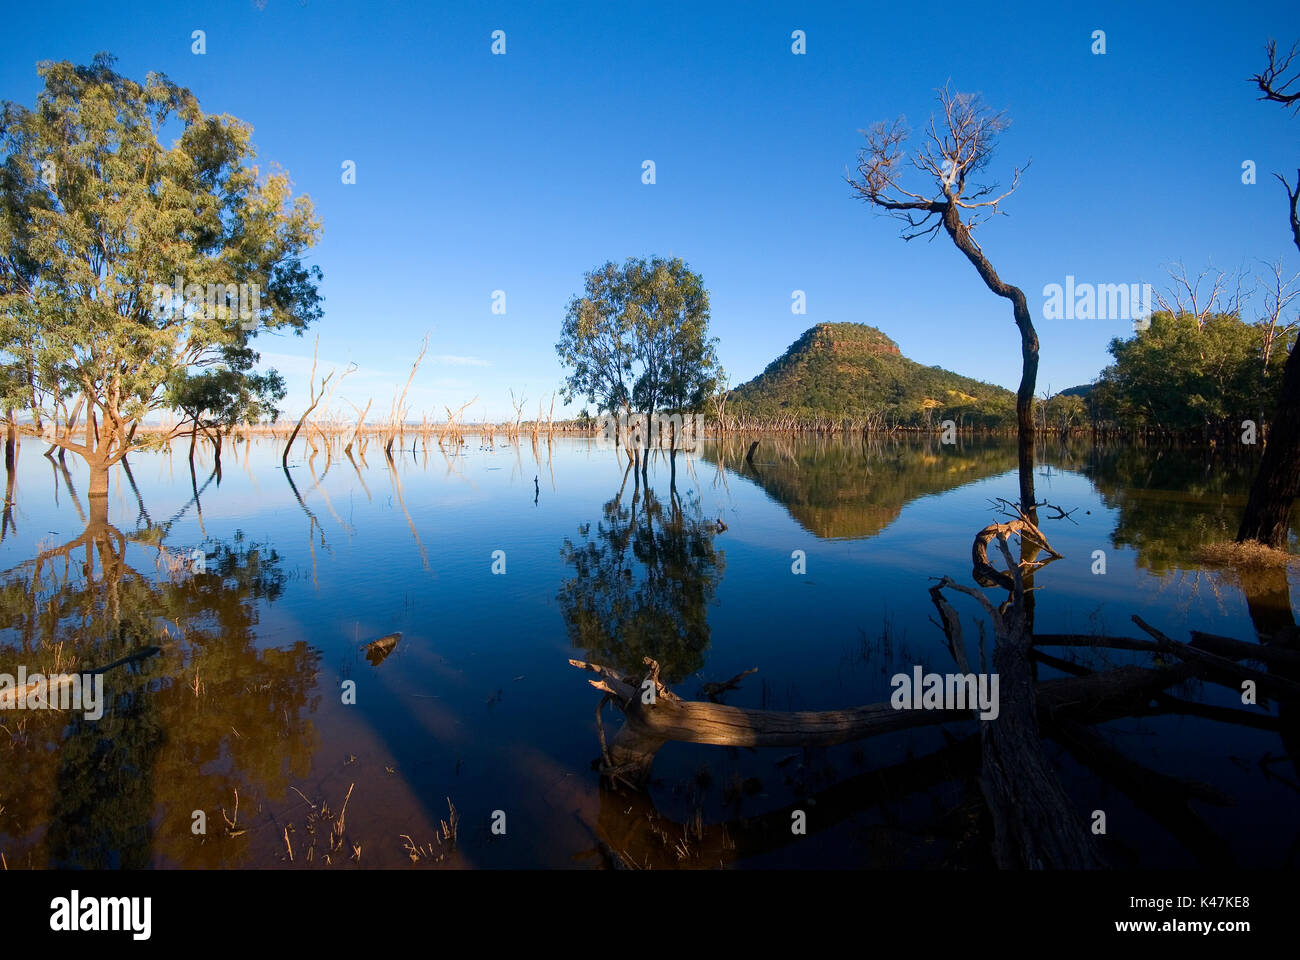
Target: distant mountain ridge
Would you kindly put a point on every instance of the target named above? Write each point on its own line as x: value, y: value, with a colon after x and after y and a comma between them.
x: 852, y: 370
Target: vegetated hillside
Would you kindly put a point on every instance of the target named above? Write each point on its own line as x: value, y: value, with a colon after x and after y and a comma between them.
x: 851, y: 370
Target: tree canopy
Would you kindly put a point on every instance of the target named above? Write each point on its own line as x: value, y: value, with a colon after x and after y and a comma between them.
x: 1181, y: 375
x: 638, y: 339
x: 128, y: 267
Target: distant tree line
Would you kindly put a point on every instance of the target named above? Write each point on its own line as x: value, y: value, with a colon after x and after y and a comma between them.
x: 1182, y: 376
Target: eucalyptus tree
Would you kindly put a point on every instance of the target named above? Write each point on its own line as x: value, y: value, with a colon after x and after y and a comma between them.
x: 129, y: 267
x: 637, y: 339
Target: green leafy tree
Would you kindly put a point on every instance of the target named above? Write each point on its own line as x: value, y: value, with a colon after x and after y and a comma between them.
x: 215, y: 400
x: 638, y: 339
x: 99, y: 220
x: 1181, y: 376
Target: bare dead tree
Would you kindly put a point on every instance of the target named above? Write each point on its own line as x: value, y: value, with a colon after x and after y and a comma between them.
x: 397, y: 417
x: 1274, y: 85
x: 361, y: 424
x: 1279, y: 291
x: 1273, y: 81
x: 1184, y: 297
x: 718, y: 402
x: 451, y: 425
x: 957, y: 148
x: 1268, y: 510
x: 316, y: 395
x: 519, y: 411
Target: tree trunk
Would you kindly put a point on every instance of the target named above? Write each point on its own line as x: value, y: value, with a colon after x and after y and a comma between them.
x: 11, y: 441
x: 98, y: 493
x: 1269, y: 508
x: 960, y: 235
x: 1277, y: 483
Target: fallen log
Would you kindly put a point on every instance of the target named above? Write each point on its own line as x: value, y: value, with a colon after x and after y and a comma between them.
x: 1164, y: 798
x: 647, y: 727
x: 1275, y: 657
x: 54, y: 684
x: 634, y: 834
x: 1271, y: 684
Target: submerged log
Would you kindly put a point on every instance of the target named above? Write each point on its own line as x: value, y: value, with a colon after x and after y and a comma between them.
x: 633, y: 834
x: 1036, y: 825
x: 378, y: 650
x: 1164, y: 798
x: 1268, y: 683
x: 54, y: 684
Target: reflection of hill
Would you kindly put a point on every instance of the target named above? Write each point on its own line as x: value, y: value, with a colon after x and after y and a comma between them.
x: 838, y: 489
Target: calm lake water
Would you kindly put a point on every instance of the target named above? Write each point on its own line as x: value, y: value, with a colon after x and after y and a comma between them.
x: 244, y: 701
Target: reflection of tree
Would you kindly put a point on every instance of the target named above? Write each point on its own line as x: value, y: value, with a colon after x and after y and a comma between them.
x: 853, y: 490
x: 643, y: 581
x: 198, y: 713
x: 1170, y: 501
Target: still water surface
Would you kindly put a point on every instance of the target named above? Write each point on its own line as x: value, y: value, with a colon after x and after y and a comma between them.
x: 478, y: 705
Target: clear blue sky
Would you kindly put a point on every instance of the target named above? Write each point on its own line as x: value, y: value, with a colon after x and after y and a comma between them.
x: 521, y: 172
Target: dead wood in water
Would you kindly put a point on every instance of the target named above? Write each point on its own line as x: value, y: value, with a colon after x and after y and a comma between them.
x: 377, y: 651
x: 316, y: 395
x: 55, y: 683
x: 1267, y: 683
x: 987, y: 575
x: 647, y: 727
x: 361, y: 423
x: 1035, y: 825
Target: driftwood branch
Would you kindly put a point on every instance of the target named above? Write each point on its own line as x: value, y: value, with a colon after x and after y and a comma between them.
x: 1268, y: 683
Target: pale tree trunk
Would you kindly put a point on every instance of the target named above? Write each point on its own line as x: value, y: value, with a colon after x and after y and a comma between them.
x: 98, y: 492
x: 11, y: 440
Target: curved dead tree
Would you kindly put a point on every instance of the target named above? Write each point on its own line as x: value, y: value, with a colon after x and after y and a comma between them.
x: 1268, y: 510
x: 953, y: 154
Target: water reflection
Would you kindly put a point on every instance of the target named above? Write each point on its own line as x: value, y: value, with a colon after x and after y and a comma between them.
x: 1170, y: 502
x: 195, y: 713
x: 856, y: 488
x: 643, y: 579
x: 459, y: 708
x: 1109, y: 685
